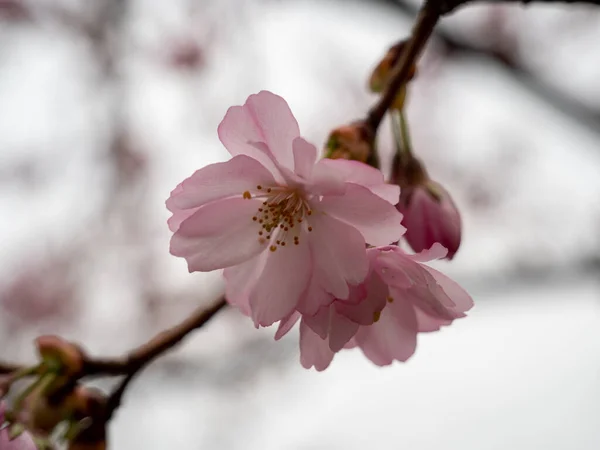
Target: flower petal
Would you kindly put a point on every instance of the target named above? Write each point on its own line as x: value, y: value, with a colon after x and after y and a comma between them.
x: 314, y: 351
x: 393, y: 337
x: 283, y: 280
x: 240, y: 280
x: 265, y: 117
x: 341, y: 330
x: 376, y: 219
x: 461, y: 299
x: 219, y: 235
x: 305, y: 155
x: 286, y: 324
x: 431, y: 300
x: 216, y: 181
x: 339, y: 255
x: 374, y: 300
x: 397, y: 269
x: 319, y: 322
x: 314, y: 297
x: 427, y: 323
x: 359, y: 173
x: 436, y: 251
x: 326, y: 181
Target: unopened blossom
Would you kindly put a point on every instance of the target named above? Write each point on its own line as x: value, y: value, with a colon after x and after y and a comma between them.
x: 354, y: 142
x: 381, y: 75
x: 429, y: 212
x: 430, y: 216
x: 289, y: 230
x: 22, y: 442
x: 400, y: 298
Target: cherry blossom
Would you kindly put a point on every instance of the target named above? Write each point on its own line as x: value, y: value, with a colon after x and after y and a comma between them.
x: 289, y: 230
x: 400, y: 298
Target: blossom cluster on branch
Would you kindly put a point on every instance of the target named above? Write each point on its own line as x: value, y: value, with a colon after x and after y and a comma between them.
x: 309, y: 240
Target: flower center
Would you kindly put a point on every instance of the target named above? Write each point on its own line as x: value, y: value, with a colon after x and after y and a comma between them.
x: 281, y: 216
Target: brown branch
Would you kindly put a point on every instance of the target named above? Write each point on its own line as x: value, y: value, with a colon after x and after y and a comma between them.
x: 144, y: 354
x: 426, y: 20
x: 140, y: 357
x: 7, y: 368
x: 449, y: 6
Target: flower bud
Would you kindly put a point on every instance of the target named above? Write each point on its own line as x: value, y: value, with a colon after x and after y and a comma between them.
x: 430, y: 215
x: 66, y: 355
x: 354, y: 141
x: 381, y: 74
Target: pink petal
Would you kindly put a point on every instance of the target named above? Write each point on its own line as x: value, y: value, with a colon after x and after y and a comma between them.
x: 393, y: 337
x: 427, y: 323
x: 325, y: 181
x: 216, y: 181
x: 313, y: 298
x: 430, y: 300
x: 328, y: 324
x: 238, y: 132
x: 437, y: 251
x: 376, y: 219
x: 374, y: 300
x: 286, y: 324
x: 393, y: 269
x: 265, y: 117
x: 339, y: 255
x: 305, y: 155
x: 341, y: 330
x: 461, y: 299
x: 178, y: 217
x: 314, y: 351
x: 364, y: 175
x: 319, y: 322
x: 219, y: 235
x: 240, y: 280
x: 284, y: 279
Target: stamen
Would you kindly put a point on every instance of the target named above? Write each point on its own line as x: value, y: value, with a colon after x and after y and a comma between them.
x: 247, y: 195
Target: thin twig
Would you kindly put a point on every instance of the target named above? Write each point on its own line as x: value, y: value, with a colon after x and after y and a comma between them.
x: 7, y: 368
x: 139, y: 357
x: 426, y: 20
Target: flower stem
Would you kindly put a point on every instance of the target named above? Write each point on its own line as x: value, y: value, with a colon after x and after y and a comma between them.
x: 405, y: 134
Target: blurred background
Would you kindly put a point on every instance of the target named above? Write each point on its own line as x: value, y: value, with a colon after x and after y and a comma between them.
x: 105, y: 106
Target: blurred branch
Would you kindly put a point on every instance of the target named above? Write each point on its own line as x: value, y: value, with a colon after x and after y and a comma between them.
x: 138, y: 358
x: 561, y: 103
x: 426, y: 21
x: 6, y: 368
x: 449, y: 6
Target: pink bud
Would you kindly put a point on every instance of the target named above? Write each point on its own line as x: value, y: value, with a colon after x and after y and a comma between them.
x: 430, y: 216
x: 21, y: 442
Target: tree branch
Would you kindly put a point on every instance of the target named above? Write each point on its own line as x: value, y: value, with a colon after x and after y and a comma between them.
x: 448, y: 6
x: 138, y: 358
x: 426, y: 20
x: 7, y: 368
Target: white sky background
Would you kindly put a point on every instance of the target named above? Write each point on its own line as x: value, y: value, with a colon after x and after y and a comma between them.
x: 89, y: 243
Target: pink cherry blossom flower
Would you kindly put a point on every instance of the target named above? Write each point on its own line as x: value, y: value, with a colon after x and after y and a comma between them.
x: 289, y: 230
x: 400, y: 298
x: 430, y: 216
x: 22, y: 442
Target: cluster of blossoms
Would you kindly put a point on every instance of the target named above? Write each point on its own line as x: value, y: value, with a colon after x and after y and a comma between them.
x: 309, y: 240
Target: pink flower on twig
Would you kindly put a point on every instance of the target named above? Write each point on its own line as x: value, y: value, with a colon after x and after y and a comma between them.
x: 289, y: 230
x: 400, y: 298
